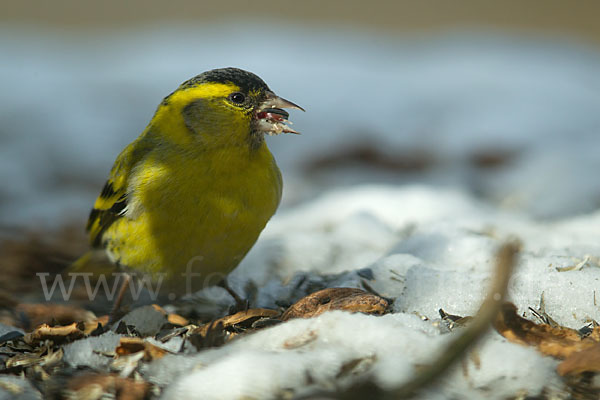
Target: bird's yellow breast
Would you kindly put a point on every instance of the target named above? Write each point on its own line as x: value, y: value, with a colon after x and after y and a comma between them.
x: 195, y: 211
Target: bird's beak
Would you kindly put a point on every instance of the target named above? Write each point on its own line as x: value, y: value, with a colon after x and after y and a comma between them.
x: 279, y: 102
x: 272, y: 119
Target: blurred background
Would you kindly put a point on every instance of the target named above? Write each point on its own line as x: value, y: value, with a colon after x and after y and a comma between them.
x: 499, y: 99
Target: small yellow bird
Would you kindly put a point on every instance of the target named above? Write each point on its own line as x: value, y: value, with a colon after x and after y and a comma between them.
x: 193, y: 192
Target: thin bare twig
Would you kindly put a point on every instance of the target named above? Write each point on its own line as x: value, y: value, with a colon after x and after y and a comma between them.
x: 506, y: 258
x: 505, y: 262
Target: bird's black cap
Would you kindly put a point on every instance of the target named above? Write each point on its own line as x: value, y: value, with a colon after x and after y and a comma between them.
x: 247, y: 81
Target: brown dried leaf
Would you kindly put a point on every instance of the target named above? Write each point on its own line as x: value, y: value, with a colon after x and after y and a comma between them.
x: 345, y: 299
x: 24, y: 360
x: 242, y: 318
x: 177, y: 319
x: 583, y: 361
x: 595, y: 334
x: 58, y: 334
x: 159, y: 309
x: 174, y: 319
x: 211, y: 335
x: 92, y: 325
x: 61, y: 314
x: 131, y: 345
x: 93, y: 386
x: 559, y: 342
x: 53, y: 358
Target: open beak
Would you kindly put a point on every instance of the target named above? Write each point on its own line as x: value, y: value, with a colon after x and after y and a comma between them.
x: 271, y: 116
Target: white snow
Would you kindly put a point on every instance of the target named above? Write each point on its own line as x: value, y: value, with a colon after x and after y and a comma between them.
x: 426, y: 238
x: 439, y: 256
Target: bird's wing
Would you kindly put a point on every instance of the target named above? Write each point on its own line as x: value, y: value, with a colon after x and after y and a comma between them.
x: 111, y: 203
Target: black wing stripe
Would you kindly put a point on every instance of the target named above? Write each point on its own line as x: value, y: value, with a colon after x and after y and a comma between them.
x: 108, y: 190
x: 107, y: 218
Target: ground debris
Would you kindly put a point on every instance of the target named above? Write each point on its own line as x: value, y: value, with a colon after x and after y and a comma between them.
x: 214, y: 335
x: 9, y: 333
x: 177, y: 319
x: 54, y: 314
x: 239, y: 320
x: 587, y: 260
x: 58, y: 334
x: 91, y: 386
x: 559, y: 342
x: 582, y: 361
x: 147, y: 320
x: 17, y: 388
x: 131, y: 345
x: 218, y: 332
x: 580, y: 352
x: 26, y: 253
x: 23, y: 360
x: 452, y: 321
x: 345, y: 299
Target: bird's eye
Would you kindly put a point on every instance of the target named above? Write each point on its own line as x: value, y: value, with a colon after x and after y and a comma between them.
x: 237, y: 97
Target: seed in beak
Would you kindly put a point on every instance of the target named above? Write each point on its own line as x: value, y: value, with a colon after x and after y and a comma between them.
x: 273, y: 113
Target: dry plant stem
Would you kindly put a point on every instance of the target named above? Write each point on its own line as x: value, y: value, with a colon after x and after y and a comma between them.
x: 506, y: 259
x: 240, y: 304
x: 117, y: 303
